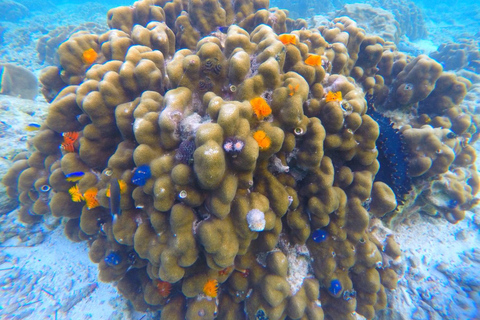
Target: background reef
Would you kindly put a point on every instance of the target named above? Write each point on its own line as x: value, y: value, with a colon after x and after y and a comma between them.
x: 275, y: 200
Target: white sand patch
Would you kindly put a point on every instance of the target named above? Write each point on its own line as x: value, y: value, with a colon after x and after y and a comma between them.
x: 441, y: 276
x: 55, y: 279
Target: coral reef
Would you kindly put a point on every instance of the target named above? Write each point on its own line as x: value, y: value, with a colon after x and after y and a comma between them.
x: 391, y: 20
x: 461, y: 55
x: 220, y: 160
x: 408, y: 15
x: 47, y: 45
x: 374, y: 20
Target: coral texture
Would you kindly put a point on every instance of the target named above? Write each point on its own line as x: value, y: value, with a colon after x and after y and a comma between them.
x: 48, y: 44
x: 375, y: 20
x: 408, y: 15
x: 221, y: 163
x: 464, y: 54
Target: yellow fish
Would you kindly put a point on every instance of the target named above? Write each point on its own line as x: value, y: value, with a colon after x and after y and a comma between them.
x: 75, y: 176
x: 32, y: 127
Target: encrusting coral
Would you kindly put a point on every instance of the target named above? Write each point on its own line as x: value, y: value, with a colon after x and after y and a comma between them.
x: 221, y: 160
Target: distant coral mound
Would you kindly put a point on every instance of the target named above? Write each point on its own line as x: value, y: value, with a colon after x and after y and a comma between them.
x: 374, y: 20
x: 409, y: 16
x: 12, y: 11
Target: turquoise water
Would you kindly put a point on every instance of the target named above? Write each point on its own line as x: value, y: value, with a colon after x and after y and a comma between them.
x: 45, y: 276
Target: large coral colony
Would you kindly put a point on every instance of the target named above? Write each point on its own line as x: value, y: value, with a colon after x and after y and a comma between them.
x: 221, y: 158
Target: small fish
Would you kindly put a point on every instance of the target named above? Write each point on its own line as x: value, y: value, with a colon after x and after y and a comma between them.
x: 113, y: 259
x: 90, y: 197
x: 288, y: 39
x: 164, y: 288
x: 123, y: 188
x: 211, y: 288
x: 32, y: 127
x: 426, y: 119
x: 75, y: 176
x: 333, y: 96
x: 141, y: 175
x: 69, y: 138
x: 75, y: 194
x: 293, y: 89
x: 89, y: 56
x: 260, y: 107
x: 314, y: 60
x: 115, y: 197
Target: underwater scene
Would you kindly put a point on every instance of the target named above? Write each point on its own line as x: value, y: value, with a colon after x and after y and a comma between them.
x: 239, y: 159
